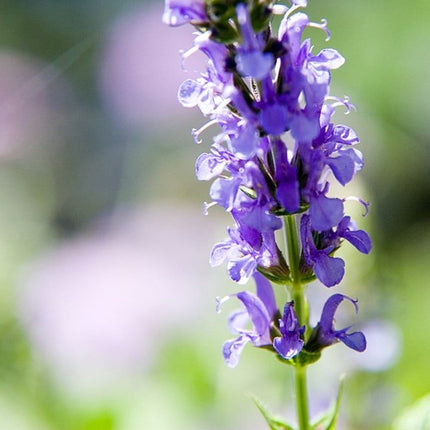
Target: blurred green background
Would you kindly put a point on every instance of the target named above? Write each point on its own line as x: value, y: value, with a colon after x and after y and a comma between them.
x: 107, y: 309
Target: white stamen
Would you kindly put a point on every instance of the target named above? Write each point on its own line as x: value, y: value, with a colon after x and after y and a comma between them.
x: 206, y: 207
x: 323, y: 27
x: 186, y: 54
x: 223, y: 105
x: 220, y: 301
x: 342, y: 102
x: 361, y: 201
x: 197, y: 132
x: 290, y: 11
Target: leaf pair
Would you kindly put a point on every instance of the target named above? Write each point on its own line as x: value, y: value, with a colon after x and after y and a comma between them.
x: 327, y: 421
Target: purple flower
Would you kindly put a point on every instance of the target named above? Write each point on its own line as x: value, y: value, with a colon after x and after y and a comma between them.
x: 208, y: 166
x: 290, y: 33
x: 224, y: 191
x: 306, y: 74
x: 244, y: 251
x: 250, y: 60
x: 329, y: 270
x: 274, y: 118
x: 258, y: 176
x: 358, y: 238
x: 290, y: 343
x: 259, y: 310
x: 178, y: 12
x: 334, y: 147
x: 325, y: 212
x: 217, y: 54
x: 324, y: 334
x: 244, y: 139
x: 344, y: 165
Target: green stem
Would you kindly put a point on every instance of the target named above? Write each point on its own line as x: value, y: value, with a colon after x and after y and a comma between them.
x: 301, y: 398
x: 297, y: 289
x: 293, y: 248
x: 300, y: 307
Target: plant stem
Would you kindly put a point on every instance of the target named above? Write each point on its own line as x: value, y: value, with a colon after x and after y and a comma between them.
x: 300, y: 307
x: 292, y: 247
x: 301, y: 398
x: 297, y: 289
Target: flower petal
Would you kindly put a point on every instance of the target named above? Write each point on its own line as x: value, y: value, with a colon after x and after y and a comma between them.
x: 245, y: 142
x: 254, y: 63
x: 360, y: 239
x: 208, y: 166
x: 237, y: 321
x: 329, y: 309
x: 219, y: 253
x: 223, y: 191
x: 265, y: 293
x: 274, y: 118
x: 241, y: 269
x: 329, y: 270
x: 232, y: 350
x: 325, y: 212
x: 328, y: 59
x: 257, y: 312
x: 355, y: 341
x: 288, y: 347
x: 343, y: 168
x: 290, y: 343
x: 189, y: 93
x: 178, y: 12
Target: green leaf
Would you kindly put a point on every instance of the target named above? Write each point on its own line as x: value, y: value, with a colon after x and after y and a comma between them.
x: 248, y: 191
x: 415, y: 417
x: 273, y: 422
x: 260, y: 17
x: 223, y: 32
x: 279, y: 274
x: 276, y: 274
x: 280, y: 211
x: 329, y: 419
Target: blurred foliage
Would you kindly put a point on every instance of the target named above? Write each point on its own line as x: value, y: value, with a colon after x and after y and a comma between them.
x: 415, y: 417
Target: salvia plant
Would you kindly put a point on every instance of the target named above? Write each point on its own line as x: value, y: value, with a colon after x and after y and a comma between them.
x: 272, y: 164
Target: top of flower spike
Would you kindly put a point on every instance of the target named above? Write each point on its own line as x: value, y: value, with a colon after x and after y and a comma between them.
x: 179, y: 12
x: 250, y: 60
x: 257, y: 87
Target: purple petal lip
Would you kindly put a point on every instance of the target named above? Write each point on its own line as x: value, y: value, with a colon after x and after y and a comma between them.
x: 325, y: 334
x: 290, y: 343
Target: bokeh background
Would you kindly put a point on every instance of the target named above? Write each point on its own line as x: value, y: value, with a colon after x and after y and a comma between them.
x: 107, y: 301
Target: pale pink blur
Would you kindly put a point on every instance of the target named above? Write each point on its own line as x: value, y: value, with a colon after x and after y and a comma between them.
x: 98, y: 307
x: 141, y: 71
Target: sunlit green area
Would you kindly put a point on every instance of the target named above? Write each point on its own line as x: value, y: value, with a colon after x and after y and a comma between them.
x: 107, y: 301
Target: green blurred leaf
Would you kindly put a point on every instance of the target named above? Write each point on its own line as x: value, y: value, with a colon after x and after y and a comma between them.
x: 273, y: 422
x: 197, y: 379
x: 104, y: 421
x: 329, y: 419
x: 415, y: 417
x: 260, y: 17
